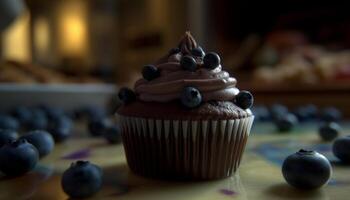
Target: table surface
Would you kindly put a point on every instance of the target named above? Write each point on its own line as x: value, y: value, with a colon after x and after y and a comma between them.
x: 259, y: 176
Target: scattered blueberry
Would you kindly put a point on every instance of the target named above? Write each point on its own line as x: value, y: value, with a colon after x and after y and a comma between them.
x: 331, y: 114
x: 42, y: 141
x: 329, y: 131
x: 191, y: 97
x: 7, y: 122
x: 188, y: 63
x: 61, y: 128
x: 306, y: 169
x: 93, y: 112
x: 53, y: 113
x: 306, y: 113
x: 126, y: 95
x: 300, y: 114
x: 83, y: 179
x: 211, y: 60
x: 311, y: 110
x: 75, y: 114
x: 198, y: 52
x: 18, y: 157
x: 278, y: 110
x: 80, y: 113
x: 150, y: 72
x: 38, y: 121
x: 341, y: 148
x: 261, y: 113
x: 22, y: 114
x: 97, y: 127
x: 286, y: 122
x: 244, y: 99
x: 7, y: 136
x: 174, y: 51
x: 112, y: 134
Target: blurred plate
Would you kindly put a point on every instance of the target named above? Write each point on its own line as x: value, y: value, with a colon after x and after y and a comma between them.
x: 67, y: 96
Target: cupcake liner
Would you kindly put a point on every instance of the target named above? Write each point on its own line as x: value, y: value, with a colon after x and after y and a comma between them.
x: 184, y: 149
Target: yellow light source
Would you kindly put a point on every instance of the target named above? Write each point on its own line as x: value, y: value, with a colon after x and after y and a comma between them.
x: 41, y: 36
x: 16, y: 40
x: 73, y: 28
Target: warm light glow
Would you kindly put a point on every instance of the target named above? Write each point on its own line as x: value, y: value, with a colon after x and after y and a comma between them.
x: 73, y: 28
x: 16, y: 40
x: 157, y: 11
x: 41, y: 36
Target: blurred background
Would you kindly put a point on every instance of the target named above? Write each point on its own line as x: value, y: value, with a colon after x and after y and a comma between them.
x: 74, y: 52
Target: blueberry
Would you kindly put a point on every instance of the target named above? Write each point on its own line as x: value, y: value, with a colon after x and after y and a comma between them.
x: 150, y: 72
x: 98, y: 127
x: 42, y: 141
x: 174, y: 51
x: 311, y: 110
x: 331, y: 114
x: 80, y: 113
x: 60, y: 134
x: 75, y: 114
x: 38, y: 121
x: 306, y: 169
x: 82, y: 179
x: 191, y: 97
x: 7, y: 136
x: 261, y: 113
x: 244, y: 99
x: 211, y: 60
x: 112, y: 134
x: 286, y: 122
x: 22, y: 114
x: 329, y: 131
x: 126, y: 95
x: 7, y: 122
x: 341, y: 148
x: 197, y: 52
x: 300, y: 114
x: 61, y: 128
x: 53, y: 112
x: 18, y: 157
x: 303, y: 113
x: 278, y: 110
x: 93, y: 112
x: 188, y: 63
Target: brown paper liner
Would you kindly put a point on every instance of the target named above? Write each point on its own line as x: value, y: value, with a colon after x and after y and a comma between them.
x: 186, y: 149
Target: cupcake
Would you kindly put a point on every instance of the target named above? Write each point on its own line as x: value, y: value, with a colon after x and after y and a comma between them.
x: 185, y: 118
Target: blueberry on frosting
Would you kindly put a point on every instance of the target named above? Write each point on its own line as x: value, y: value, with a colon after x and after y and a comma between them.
x: 150, y: 72
x: 188, y: 68
x: 174, y: 51
x: 191, y: 97
x: 211, y: 60
x: 126, y: 95
x: 244, y: 99
x: 188, y: 63
x: 197, y: 52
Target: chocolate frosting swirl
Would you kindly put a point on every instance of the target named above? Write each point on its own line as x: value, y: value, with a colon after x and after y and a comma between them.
x: 187, y: 43
x: 213, y: 84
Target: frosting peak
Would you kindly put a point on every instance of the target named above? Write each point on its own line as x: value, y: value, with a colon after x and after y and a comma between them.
x: 214, y: 84
x: 187, y: 43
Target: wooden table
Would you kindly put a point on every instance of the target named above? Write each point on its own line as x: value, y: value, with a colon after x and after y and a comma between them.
x: 259, y: 176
